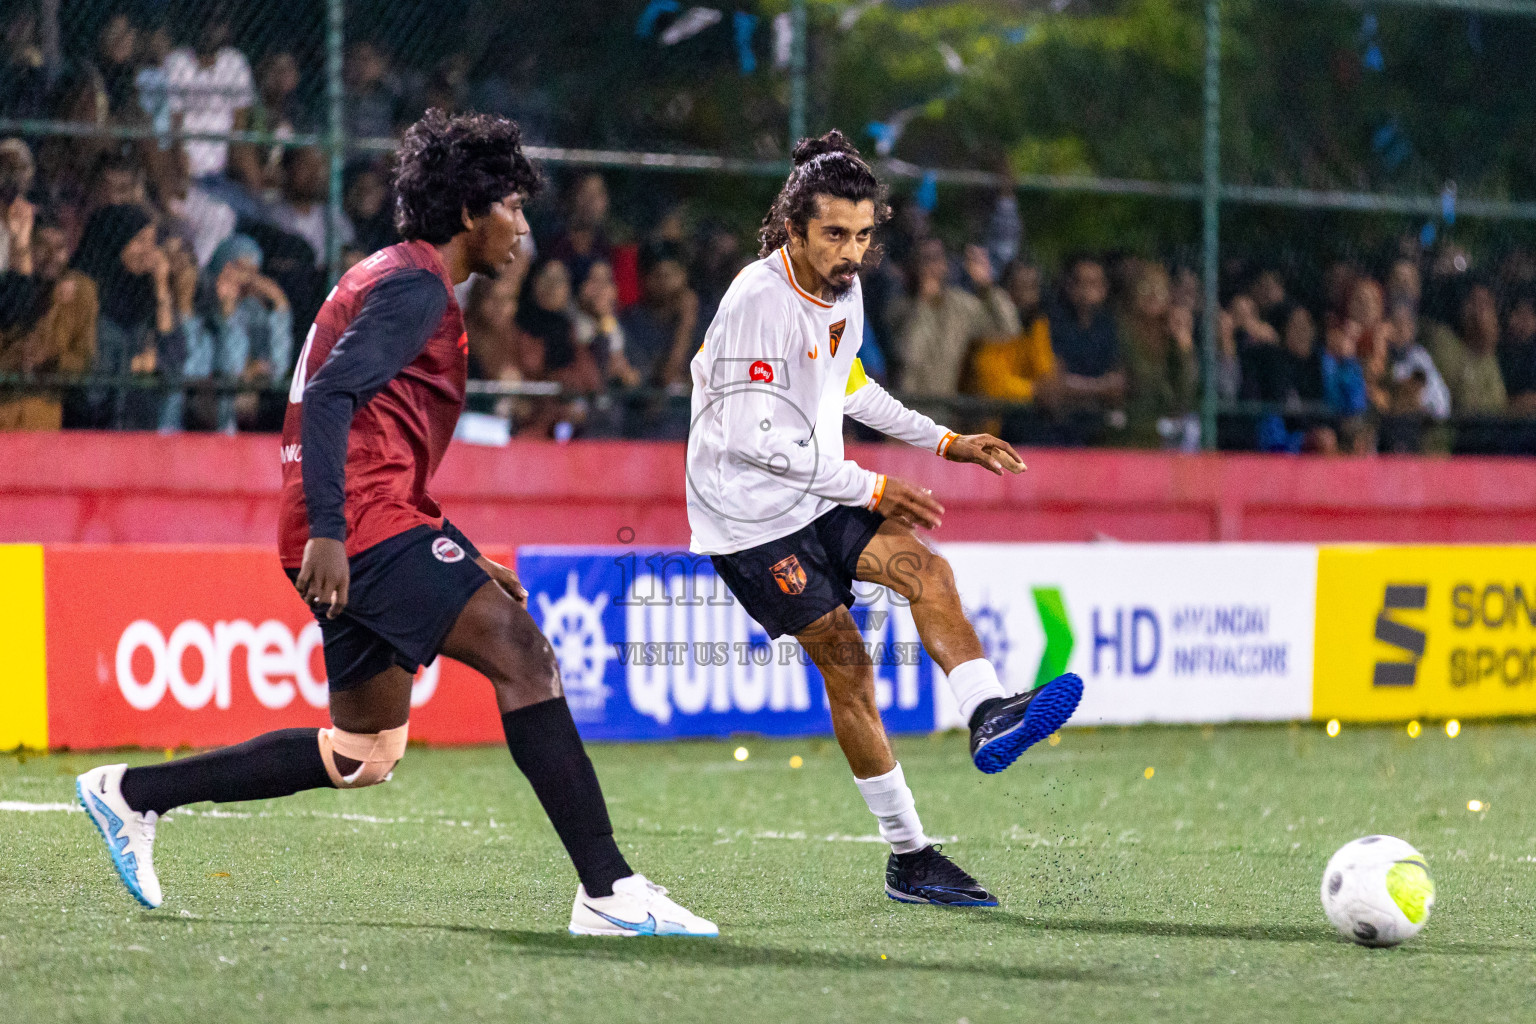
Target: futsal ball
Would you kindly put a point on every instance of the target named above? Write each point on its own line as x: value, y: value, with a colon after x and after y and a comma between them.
x: 1377, y: 891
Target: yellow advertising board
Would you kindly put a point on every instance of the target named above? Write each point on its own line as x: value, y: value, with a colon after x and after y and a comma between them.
x: 23, y: 690
x: 1433, y: 632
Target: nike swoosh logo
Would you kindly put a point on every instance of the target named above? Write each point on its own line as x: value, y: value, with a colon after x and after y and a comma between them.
x: 646, y: 927
x: 114, y: 826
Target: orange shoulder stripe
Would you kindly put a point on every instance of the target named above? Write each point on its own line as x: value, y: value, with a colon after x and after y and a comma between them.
x: 789, y: 272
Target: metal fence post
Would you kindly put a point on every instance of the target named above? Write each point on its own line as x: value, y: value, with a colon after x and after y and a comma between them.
x: 1210, y: 209
x: 335, y: 136
x: 796, y: 73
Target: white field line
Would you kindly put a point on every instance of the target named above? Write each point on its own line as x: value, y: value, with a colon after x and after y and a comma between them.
x: 835, y: 838
x: 23, y: 806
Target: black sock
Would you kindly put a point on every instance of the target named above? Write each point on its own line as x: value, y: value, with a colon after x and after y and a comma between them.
x: 981, y: 711
x: 273, y: 764
x: 548, y: 750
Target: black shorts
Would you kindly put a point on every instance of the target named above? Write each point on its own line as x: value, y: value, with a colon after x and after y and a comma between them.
x: 789, y: 583
x: 404, y: 596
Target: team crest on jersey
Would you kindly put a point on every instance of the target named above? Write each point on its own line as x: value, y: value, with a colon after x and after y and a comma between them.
x: 445, y: 550
x: 836, y: 338
x: 789, y: 574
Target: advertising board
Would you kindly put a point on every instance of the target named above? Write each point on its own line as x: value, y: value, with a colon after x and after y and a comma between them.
x: 1159, y: 632
x: 1437, y: 632
x: 164, y: 646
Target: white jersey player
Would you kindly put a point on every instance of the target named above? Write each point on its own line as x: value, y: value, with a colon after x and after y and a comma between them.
x: 789, y: 522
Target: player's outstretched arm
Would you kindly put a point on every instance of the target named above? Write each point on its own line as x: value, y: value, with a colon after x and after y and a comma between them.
x: 986, y: 451
x: 873, y: 406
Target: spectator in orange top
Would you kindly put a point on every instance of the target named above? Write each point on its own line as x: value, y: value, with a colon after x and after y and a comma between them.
x: 1021, y: 368
x: 62, y: 341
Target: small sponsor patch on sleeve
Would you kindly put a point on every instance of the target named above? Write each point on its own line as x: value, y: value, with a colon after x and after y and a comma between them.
x: 732, y: 372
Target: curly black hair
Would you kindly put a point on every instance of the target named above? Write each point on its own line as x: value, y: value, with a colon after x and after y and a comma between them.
x: 450, y: 164
x: 828, y: 166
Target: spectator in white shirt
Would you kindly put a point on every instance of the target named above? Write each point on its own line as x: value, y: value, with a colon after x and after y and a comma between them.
x: 302, y: 210
x: 210, y: 90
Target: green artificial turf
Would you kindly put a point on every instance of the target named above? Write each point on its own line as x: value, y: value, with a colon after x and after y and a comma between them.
x: 1192, y: 895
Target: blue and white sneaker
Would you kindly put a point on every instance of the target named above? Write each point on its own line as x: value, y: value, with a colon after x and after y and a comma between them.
x: 638, y: 906
x: 927, y: 876
x: 130, y: 835
x: 1012, y: 725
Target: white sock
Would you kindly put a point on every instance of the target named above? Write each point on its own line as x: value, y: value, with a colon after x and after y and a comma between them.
x: 892, y: 803
x: 973, y: 682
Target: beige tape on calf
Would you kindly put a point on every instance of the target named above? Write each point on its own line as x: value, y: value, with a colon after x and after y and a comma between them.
x: 379, y: 752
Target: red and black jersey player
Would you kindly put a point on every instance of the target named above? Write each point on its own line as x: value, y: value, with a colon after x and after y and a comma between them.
x: 376, y: 393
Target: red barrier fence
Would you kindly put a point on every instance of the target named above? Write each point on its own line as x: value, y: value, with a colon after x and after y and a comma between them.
x: 199, y: 488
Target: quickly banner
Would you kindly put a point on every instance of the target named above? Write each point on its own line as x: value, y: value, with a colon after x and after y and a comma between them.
x: 653, y: 646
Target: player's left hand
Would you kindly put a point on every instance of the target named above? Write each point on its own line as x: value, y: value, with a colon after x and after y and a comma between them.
x: 986, y: 451
x: 506, y: 579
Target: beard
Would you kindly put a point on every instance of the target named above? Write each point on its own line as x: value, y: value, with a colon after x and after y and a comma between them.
x: 839, y: 288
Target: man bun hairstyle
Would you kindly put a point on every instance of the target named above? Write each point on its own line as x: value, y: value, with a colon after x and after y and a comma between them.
x: 828, y: 166
x: 450, y: 164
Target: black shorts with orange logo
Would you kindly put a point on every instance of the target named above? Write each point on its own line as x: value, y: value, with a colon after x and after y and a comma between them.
x: 404, y: 596
x: 789, y: 583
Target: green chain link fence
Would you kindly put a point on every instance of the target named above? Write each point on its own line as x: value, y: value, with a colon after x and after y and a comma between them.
x: 1155, y: 122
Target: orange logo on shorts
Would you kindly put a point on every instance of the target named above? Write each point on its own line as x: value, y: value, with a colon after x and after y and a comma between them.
x: 789, y: 575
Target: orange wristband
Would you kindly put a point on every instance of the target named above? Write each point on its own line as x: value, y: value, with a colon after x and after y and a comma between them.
x: 944, y: 443
x: 874, y: 501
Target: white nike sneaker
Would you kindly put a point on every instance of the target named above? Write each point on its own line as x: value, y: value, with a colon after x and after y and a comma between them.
x: 130, y: 835
x: 638, y: 906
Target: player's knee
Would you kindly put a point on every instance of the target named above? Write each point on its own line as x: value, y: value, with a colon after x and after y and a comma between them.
x: 936, y: 581
x: 528, y: 668
x: 846, y: 672
x: 374, y: 753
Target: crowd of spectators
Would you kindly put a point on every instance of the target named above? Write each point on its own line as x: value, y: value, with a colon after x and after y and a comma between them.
x: 173, y: 274
x: 1417, y: 352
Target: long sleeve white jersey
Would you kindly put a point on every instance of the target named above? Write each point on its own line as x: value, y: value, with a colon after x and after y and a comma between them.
x: 778, y: 369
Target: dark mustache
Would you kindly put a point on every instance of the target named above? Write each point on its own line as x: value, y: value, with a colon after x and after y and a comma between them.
x: 849, y: 268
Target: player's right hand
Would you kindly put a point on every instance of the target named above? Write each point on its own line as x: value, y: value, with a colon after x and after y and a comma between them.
x: 905, y: 503
x: 324, y: 575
